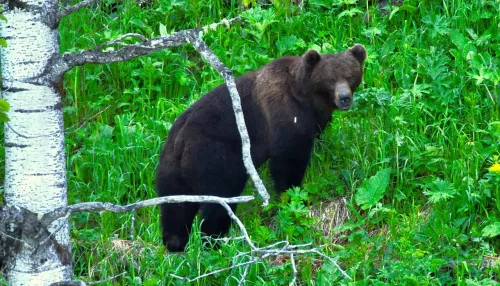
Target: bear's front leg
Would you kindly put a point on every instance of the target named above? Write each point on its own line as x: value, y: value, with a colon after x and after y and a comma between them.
x: 288, y: 172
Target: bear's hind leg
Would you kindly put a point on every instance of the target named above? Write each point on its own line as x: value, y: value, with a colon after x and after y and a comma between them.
x: 176, y: 221
x: 227, y: 180
x: 216, y: 221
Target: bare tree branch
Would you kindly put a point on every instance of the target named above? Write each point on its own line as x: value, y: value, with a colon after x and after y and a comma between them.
x: 226, y: 22
x: 25, y: 136
x: 119, y: 40
x: 50, y: 217
x: 106, y: 280
x: 69, y: 283
x: 59, y: 64
x: 79, y: 125
x: 294, y: 276
x: 245, y: 272
x: 82, y: 283
x: 227, y: 74
x: 15, y: 239
x: 132, y: 227
x: 239, y: 223
x: 333, y: 262
x: 227, y: 239
x: 259, y: 254
x: 68, y: 10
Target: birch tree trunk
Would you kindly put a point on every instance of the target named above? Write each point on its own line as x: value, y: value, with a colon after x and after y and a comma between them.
x: 35, y: 172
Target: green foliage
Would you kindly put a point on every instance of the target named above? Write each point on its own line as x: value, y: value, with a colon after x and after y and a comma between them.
x: 439, y: 190
x: 399, y: 9
x: 3, y: 42
x: 373, y: 189
x: 425, y: 121
x: 290, y: 44
x: 328, y: 275
x: 2, y: 16
x: 249, y: 2
x: 4, y: 107
x: 292, y: 219
x: 491, y: 230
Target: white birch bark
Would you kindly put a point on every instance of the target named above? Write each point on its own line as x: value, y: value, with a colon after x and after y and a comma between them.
x: 35, y: 169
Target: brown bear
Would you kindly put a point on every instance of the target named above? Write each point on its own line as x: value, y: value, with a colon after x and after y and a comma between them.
x: 286, y: 104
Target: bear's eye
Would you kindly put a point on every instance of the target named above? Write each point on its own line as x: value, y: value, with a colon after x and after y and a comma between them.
x: 332, y: 82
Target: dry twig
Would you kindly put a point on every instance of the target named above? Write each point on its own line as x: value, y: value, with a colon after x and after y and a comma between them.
x: 50, y: 217
x: 68, y: 10
x: 82, y: 283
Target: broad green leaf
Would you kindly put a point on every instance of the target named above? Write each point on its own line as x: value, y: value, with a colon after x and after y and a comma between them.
x: 152, y: 282
x: 106, y: 131
x: 138, y: 22
x: 163, y: 30
x: 350, y: 12
x: 3, y: 117
x: 393, y: 12
x: 178, y: 3
x: 492, y: 230
x: 297, y: 194
x: 68, y: 110
x: 2, y: 17
x: 3, y: 42
x: 107, y: 34
x: 246, y: 3
x: 462, y: 42
x: 329, y: 272
x: 440, y: 190
x: 4, y: 105
x: 324, y: 3
x: 289, y: 43
x: 373, y: 189
x: 325, y: 48
x: 408, y: 8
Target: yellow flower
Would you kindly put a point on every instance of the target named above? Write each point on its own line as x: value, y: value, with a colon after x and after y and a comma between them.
x: 495, y: 168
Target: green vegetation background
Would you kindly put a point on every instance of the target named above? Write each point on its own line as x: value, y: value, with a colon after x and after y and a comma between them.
x: 415, y: 161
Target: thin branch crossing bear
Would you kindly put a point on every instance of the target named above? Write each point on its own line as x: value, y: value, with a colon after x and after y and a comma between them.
x: 286, y: 104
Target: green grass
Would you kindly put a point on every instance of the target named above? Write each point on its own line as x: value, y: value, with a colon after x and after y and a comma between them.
x: 428, y: 109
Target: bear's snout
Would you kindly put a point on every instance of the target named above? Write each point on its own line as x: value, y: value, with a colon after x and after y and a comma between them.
x: 343, y: 96
x: 345, y: 99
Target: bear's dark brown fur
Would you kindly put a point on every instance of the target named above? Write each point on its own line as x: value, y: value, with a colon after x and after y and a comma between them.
x: 286, y: 104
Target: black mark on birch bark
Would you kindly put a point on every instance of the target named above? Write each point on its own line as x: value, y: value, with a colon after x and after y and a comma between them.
x: 17, y: 4
x: 15, y: 145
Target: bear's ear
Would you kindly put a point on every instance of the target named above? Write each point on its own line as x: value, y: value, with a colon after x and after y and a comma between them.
x: 359, y: 53
x: 311, y: 58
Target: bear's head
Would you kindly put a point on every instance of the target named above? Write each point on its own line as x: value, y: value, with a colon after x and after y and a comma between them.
x: 333, y: 77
